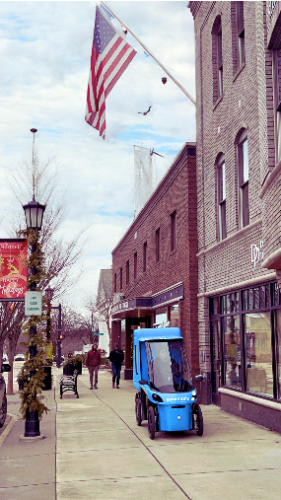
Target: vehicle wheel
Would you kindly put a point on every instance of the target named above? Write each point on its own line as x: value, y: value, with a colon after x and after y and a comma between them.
x: 138, y: 411
x: 198, y: 420
x: 151, y: 422
x: 3, y: 411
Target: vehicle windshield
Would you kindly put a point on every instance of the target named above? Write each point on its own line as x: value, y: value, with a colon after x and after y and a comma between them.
x: 168, y: 366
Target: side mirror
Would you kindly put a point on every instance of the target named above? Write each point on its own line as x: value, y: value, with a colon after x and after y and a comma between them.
x: 199, y: 378
x: 143, y: 382
x: 5, y: 367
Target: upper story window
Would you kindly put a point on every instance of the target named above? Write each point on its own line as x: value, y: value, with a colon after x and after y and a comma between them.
x: 240, y: 32
x: 135, y: 264
x: 243, y: 175
x: 144, y: 256
x: 157, y: 244
x: 127, y: 272
x: 115, y: 282
x: 121, y: 278
x: 217, y: 59
x: 238, y: 35
x: 276, y: 68
x: 173, y: 231
x: 221, y: 197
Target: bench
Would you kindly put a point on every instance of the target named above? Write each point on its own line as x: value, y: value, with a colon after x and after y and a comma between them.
x: 69, y: 383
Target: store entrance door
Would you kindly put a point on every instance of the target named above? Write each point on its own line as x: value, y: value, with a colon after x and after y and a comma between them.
x: 216, y: 360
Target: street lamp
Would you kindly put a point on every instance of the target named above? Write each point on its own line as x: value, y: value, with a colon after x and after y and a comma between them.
x: 34, y: 216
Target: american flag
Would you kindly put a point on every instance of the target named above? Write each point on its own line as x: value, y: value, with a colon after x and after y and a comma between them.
x: 111, y: 55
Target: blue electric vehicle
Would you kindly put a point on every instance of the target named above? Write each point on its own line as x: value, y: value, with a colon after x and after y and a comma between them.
x: 166, y: 396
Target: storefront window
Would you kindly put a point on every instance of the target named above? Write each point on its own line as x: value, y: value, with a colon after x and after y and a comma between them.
x: 232, y: 353
x: 259, y: 353
x: 279, y: 353
x: 175, y: 316
x: 161, y: 318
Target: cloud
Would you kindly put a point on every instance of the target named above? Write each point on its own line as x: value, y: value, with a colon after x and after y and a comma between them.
x: 45, y: 50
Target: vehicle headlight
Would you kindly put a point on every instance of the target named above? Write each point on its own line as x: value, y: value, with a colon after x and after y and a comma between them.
x: 194, y: 395
x: 156, y: 397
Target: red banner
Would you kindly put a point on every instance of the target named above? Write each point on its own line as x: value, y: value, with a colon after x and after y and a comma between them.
x: 13, y: 268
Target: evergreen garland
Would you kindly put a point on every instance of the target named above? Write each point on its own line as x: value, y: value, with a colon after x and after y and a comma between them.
x: 30, y: 401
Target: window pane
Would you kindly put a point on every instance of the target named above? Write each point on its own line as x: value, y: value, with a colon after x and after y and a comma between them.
x: 259, y: 353
x: 279, y: 353
x: 232, y: 353
x: 223, y: 181
x: 245, y: 161
x: 216, y: 355
x: 175, y: 316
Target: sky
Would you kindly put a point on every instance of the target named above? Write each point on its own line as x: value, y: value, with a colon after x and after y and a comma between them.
x: 45, y: 50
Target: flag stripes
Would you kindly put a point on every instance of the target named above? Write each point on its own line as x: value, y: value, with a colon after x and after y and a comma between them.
x: 111, y: 55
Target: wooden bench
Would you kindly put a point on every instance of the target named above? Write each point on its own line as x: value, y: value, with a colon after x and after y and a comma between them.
x: 69, y: 383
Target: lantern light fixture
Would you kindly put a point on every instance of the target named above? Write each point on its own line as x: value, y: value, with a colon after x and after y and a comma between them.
x: 34, y: 214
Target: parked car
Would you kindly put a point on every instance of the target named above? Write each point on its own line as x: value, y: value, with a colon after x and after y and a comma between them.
x: 5, y: 367
x: 19, y: 357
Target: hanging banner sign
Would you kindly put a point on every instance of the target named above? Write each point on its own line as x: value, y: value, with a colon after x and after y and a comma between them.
x: 49, y: 351
x: 13, y: 268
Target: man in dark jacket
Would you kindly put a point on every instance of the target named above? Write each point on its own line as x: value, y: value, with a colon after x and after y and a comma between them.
x: 93, y: 361
x: 116, y: 357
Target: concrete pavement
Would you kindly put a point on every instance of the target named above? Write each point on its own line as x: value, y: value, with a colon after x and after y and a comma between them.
x: 94, y: 450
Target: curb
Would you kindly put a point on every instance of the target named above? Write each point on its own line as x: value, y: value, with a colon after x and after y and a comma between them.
x: 8, y: 429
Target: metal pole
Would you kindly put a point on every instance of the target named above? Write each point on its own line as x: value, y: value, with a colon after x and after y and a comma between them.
x: 32, y: 423
x: 59, y: 339
x: 150, y: 53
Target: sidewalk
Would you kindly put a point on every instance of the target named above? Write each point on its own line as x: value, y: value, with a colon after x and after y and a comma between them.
x: 103, y: 454
x: 94, y: 450
x: 27, y: 469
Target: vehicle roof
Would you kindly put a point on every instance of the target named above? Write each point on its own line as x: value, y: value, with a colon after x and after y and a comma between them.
x: 144, y: 334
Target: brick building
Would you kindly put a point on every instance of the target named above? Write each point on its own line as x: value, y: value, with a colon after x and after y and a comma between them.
x: 155, y: 264
x: 238, y: 106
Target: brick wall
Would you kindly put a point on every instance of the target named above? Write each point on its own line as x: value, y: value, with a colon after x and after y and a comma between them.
x: 176, y: 193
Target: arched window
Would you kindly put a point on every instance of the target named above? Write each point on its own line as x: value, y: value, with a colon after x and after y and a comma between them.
x: 221, y: 197
x: 217, y: 59
x: 243, y: 178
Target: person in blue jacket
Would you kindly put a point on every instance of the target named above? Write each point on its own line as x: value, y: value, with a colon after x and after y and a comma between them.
x: 116, y: 357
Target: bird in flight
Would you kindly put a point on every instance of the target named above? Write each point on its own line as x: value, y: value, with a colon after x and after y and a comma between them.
x: 145, y: 112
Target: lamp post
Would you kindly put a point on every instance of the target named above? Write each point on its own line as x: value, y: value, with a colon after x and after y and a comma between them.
x: 59, y: 336
x: 34, y: 216
x: 50, y: 293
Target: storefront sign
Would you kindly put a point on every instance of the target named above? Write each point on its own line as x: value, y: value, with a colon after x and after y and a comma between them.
x: 256, y: 253
x: 13, y: 268
x: 33, y: 304
x: 231, y: 350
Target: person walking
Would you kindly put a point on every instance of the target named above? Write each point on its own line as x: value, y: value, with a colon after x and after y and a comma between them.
x: 116, y: 357
x: 93, y: 361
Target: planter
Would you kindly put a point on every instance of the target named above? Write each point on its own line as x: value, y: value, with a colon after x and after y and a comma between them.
x: 68, y: 369
x: 48, y: 378
x: 22, y: 384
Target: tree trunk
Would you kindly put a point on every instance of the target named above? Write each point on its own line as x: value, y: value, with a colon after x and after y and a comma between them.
x: 10, y: 387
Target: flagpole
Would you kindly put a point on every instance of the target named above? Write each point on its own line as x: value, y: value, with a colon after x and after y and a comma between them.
x: 150, y: 53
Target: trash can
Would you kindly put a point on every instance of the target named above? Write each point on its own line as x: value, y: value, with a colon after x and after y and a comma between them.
x: 78, y: 367
x: 48, y: 378
x: 68, y: 369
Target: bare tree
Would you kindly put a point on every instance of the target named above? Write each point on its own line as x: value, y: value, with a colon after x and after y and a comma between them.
x: 31, y: 179
x: 11, y: 316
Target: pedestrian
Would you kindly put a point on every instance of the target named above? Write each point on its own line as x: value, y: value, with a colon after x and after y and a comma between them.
x: 116, y: 357
x: 93, y: 361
